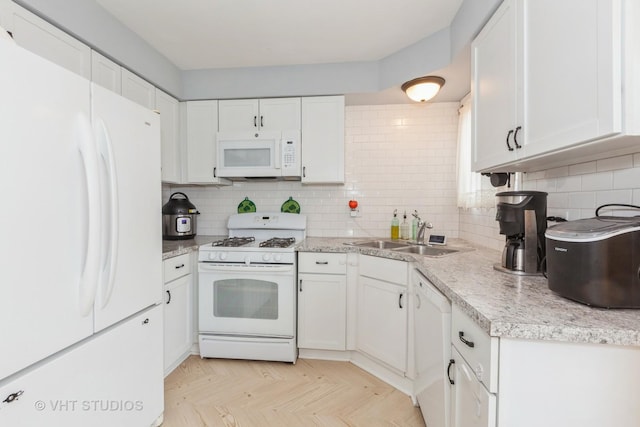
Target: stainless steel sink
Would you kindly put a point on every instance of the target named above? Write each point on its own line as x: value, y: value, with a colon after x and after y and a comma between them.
x: 379, y: 244
x: 425, y: 250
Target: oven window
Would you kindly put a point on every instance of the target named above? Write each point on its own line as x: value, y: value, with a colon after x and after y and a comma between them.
x: 245, y: 298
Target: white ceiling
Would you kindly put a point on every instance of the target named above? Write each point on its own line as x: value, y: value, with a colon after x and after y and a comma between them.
x: 200, y: 34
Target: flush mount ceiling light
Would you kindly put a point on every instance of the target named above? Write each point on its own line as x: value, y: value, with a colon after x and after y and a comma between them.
x: 423, y: 89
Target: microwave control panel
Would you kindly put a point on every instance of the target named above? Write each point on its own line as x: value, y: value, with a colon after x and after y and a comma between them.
x: 290, y: 154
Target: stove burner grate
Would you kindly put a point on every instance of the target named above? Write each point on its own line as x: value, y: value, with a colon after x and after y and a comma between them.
x: 234, y: 241
x: 278, y: 242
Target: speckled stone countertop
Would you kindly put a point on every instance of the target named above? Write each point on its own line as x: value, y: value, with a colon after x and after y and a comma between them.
x: 173, y: 248
x: 506, y: 305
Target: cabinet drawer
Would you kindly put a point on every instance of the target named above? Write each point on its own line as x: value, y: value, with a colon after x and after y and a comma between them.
x: 176, y: 267
x: 317, y: 262
x: 385, y: 269
x: 476, y: 346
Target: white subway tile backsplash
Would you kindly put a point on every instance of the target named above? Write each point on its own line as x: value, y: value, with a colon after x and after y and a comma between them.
x: 627, y: 178
x: 614, y: 196
x: 569, y: 183
x: 583, y: 168
x: 597, y: 181
x: 614, y: 163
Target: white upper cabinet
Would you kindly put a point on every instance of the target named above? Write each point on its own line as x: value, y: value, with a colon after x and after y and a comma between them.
x: 495, y: 91
x: 105, y: 72
x: 553, y: 83
x: 138, y: 90
x: 169, y: 109
x: 44, y: 39
x: 201, y: 128
x: 323, y: 140
x: 270, y: 114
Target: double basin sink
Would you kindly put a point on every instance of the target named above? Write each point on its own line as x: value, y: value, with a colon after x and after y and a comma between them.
x: 413, y: 248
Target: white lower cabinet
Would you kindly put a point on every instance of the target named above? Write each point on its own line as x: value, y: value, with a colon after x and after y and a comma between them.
x: 178, y: 310
x: 472, y: 373
x: 382, y: 310
x: 322, y: 301
x: 471, y: 403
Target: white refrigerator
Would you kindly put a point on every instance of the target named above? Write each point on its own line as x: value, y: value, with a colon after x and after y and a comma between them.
x: 81, y: 253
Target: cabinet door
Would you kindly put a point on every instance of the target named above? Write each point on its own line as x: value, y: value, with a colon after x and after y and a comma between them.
x: 138, y: 90
x: 238, y: 115
x: 169, y: 136
x: 322, y: 305
x: 177, y: 321
x: 44, y: 39
x: 202, y: 125
x: 279, y: 114
x: 495, y: 89
x: 382, y: 321
x: 323, y: 140
x: 106, y: 73
x: 572, y: 78
x: 471, y: 404
x: 114, y: 379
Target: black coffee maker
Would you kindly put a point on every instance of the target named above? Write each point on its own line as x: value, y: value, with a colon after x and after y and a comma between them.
x: 522, y: 216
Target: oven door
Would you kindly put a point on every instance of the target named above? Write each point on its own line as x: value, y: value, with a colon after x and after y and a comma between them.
x: 250, y: 300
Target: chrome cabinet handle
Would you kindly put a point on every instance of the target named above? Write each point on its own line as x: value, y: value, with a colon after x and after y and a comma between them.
x: 214, y: 172
x: 179, y: 266
x: 255, y: 121
x: 400, y: 300
x: 304, y: 171
x: 300, y: 288
x: 322, y: 262
x: 467, y: 342
x: 508, y: 136
x: 169, y: 300
x: 261, y: 121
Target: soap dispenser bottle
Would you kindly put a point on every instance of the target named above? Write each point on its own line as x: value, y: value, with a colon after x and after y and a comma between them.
x: 404, y: 227
x: 395, y: 226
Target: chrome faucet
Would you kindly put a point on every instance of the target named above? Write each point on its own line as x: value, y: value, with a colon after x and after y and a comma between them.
x: 422, y: 227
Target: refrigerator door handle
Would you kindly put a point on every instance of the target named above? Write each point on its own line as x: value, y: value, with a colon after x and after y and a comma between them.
x: 109, y: 191
x: 90, y: 269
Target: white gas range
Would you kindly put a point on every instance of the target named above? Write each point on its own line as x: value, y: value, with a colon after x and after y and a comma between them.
x: 247, y: 299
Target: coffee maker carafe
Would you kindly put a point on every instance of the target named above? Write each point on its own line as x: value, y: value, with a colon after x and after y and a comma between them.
x: 522, y: 216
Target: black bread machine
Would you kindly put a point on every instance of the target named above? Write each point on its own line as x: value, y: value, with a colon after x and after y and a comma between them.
x: 596, y: 261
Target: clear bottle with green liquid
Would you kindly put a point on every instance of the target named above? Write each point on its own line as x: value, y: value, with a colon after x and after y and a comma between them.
x: 395, y: 226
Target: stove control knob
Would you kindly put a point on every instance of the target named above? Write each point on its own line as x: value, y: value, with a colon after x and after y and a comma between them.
x: 266, y: 257
x: 277, y: 257
x: 212, y: 255
x: 223, y: 256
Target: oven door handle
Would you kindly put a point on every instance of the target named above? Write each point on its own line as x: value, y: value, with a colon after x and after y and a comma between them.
x: 246, y: 268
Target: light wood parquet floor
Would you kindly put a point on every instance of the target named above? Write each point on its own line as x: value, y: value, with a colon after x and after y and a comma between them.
x: 242, y: 393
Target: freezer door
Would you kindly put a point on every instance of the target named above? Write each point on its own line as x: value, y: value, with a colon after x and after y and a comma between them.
x: 49, y: 217
x: 113, y: 379
x: 128, y: 140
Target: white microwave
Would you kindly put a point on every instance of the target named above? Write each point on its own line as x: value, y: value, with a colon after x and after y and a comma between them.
x: 259, y: 154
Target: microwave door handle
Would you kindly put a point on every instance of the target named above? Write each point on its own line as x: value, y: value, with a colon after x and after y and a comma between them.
x: 278, y: 154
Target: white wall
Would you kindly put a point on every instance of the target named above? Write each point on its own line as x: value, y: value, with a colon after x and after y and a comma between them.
x: 396, y: 156
x: 574, y: 192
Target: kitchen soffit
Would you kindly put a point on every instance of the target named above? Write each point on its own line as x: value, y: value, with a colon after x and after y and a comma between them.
x: 199, y: 34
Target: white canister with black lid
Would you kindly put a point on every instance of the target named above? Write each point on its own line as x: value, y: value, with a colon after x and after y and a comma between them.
x: 179, y: 218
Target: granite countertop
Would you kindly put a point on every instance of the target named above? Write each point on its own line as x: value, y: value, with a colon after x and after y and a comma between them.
x: 173, y: 248
x: 505, y: 305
